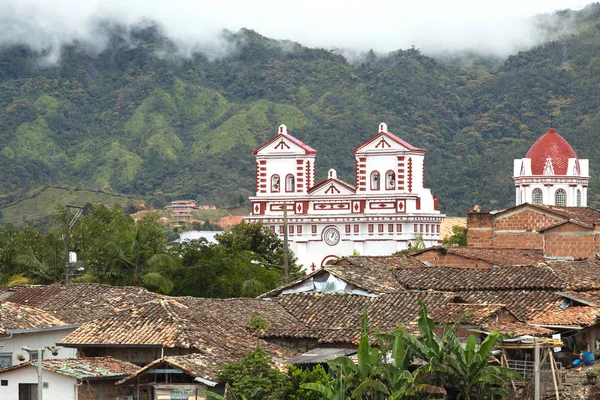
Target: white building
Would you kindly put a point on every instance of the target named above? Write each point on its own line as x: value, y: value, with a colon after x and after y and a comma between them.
x: 67, y: 379
x: 384, y: 212
x: 551, y: 174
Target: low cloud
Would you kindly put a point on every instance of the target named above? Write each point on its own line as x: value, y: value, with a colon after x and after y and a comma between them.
x: 434, y: 27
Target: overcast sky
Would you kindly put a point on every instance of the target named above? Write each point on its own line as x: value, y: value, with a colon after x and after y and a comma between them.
x: 498, y: 27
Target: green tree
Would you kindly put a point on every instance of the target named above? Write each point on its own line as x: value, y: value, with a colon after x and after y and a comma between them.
x: 254, y: 378
x: 136, y: 260
x: 259, y: 239
x: 458, y: 237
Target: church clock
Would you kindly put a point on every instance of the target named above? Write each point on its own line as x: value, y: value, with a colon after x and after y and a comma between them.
x: 331, y: 236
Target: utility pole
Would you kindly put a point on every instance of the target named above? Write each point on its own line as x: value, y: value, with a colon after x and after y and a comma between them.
x: 68, y: 226
x: 68, y: 245
x: 286, y: 253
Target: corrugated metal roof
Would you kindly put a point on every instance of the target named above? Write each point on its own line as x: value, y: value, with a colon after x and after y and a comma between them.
x: 320, y: 355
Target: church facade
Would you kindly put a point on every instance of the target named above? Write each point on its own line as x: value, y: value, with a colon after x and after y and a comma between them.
x: 387, y: 210
x: 551, y: 174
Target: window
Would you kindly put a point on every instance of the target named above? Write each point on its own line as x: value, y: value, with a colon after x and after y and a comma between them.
x: 179, y: 395
x: 399, y: 228
x: 275, y: 184
x: 314, y: 229
x: 272, y: 228
x: 299, y: 229
x: 416, y: 228
x: 281, y: 229
x: 390, y: 228
x: 370, y: 228
x: 347, y: 228
x: 290, y: 185
x: 356, y: 229
x: 560, y: 198
x: 578, y: 198
x: 537, y: 196
x: 375, y: 180
x: 380, y: 228
x: 5, y: 360
x: 291, y: 229
x: 390, y: 180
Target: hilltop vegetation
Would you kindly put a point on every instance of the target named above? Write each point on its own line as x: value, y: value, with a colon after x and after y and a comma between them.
x: 139, y: 120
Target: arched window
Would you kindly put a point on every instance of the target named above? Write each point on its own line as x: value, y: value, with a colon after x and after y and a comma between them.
x: 560, y: 198
x: 578, y: 198
x: 390, y: 180
x: 537, y: 196
x: 375, y: 180
x: 289, y: 183
x: 275, y: 183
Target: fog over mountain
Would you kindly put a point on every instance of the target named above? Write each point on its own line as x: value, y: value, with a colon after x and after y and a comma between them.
x: 494, y: 28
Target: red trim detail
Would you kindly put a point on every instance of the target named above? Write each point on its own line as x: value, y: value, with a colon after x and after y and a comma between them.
x: 307, y: 149
x: 410, y: 175
x: 331, y: 180
x: 418, y: 206
x: 392, y: 137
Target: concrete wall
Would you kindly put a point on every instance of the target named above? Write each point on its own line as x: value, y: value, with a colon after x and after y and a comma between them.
x: 59, y: 387
x: 11, y: 344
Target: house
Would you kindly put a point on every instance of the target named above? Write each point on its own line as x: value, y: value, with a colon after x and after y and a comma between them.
x: 382, y: 213
x: 27, y: 326
x: 216, y: 329
x: 182, y: 208
x: 367, y: 275
x: 560, y: 232
x: 67, y: 379
x: 478, y: 257
x: 185, y: 376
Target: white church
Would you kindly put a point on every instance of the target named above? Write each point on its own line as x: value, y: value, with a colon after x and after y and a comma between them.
x: 551, y: 174
x: 385, y: 211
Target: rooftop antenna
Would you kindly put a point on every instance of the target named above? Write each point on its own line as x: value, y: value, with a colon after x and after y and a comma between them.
x: 303, y: 129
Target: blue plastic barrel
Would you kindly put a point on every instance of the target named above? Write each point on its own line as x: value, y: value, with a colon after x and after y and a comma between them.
x: 576, y: 363
x: 588, y: 358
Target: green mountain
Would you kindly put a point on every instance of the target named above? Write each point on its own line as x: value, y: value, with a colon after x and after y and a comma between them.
x: 141, y: 120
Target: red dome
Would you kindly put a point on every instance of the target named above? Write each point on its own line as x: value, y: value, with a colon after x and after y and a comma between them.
x: 553, y: 146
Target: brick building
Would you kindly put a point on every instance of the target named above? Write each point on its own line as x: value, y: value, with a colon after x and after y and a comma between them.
x: 563, y: 232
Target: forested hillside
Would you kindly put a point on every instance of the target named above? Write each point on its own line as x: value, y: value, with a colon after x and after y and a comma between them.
x: 141, y: 119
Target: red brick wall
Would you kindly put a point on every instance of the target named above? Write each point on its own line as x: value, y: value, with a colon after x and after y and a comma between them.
x: 509, y: 240
x: 479, y: 229
x: 524, y: 220
x: 570, y: 240
x: 451, y: 260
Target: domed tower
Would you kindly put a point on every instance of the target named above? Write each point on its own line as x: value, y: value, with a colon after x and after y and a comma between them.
x: 551, y: 174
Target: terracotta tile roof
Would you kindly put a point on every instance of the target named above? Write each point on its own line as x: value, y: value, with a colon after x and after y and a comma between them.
x: 452, y: 312
x: 336, y: 318
x: 525, y: 304
x: 93, y: 367
x: 464, y: 279
x: 576, y: 315
x: 81, y: 302
x: 216, y: 328
x: 84, y: 368
x: 516, y: 329
x: 586, y: 215
x: 495, y: 256
x: 374, y: 274
x: 16, y: 317
x: 327, y: 317
x: 389, y: 310
x: 577, y: 275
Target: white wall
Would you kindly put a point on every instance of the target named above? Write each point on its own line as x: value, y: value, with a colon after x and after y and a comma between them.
x: 36, y: 340
x: 60, y: 387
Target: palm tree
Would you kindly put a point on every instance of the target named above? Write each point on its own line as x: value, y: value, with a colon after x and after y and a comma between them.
x: 134, y: 262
